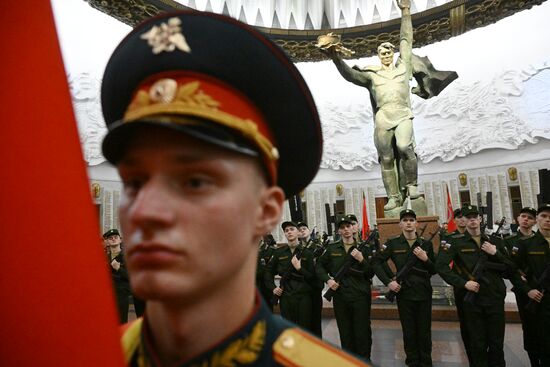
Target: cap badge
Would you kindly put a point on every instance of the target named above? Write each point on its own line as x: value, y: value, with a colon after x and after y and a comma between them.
x: 163, y: 91
x: 167, y: 37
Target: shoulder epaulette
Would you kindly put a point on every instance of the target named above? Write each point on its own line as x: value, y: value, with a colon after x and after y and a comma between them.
x: 295, y: 347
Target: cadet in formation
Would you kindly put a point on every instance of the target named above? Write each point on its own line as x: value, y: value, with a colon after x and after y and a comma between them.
x: 352, y: 297
x: 265, y: 253
x: 207, y: 121
x: 316, y: 247
x: 414, y: 259
x: 294, y: 264
x: 526, y: 220
x: 484, y: 316
x: 533, y: 258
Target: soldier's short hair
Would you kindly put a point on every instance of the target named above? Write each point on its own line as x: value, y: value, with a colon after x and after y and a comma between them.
x: 386, y: 46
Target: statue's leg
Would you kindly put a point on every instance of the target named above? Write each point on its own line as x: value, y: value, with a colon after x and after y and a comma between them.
x: 383, y: 142
x: 404, y: 138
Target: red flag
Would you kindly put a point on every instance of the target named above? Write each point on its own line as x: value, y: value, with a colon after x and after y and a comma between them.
x: 57, y: 305
x: 451, y: 225
x: 365, y: 226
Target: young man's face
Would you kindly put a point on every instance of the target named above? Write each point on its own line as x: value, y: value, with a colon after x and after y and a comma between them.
x: 346, y: 230
x: 355, y: 227
x: 192, y: 213
x: 303, y: 232
x: 113, y: 240
x: 461, y: 221
x: 473, y: 221
x: 408, y: 224
x: 386, y: 56
x: 543, y: 220
x: 526, y: 220
x: 291, y: 233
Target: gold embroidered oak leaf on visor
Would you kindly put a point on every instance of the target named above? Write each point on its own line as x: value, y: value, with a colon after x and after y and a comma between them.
x: 165, y: 96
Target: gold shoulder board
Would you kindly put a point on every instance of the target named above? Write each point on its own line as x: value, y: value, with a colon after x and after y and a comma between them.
x: 297, y: 348
x: 131, y: 339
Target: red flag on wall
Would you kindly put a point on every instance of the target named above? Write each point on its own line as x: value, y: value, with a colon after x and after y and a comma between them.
x: 365, y: 225
x: 451, y: 225
x: 57, y: 305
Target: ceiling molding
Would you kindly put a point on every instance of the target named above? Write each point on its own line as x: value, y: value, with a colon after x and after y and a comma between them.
x: 433, y: 25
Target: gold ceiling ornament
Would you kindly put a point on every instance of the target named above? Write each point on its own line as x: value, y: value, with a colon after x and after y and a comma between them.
x: 463, y: 179
x: 340, y: 190
x: 513, y: 173
x: 167, y: 37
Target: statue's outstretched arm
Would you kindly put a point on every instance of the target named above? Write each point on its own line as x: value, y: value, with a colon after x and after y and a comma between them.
x: 351, y: 75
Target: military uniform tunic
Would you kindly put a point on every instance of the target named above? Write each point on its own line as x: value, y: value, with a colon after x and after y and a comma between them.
x: 484, y: 320
x: 414, y: 300
x: 264, y: 340
x: 533, y: 256
x: 296, y: 284
x: 352, y: 300
x: 317, y: 285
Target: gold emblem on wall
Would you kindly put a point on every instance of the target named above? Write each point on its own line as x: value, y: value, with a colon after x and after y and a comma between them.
x: 463, y: 179
x: 339, y: 190
x: 512, y: 173
x: 96, y: 190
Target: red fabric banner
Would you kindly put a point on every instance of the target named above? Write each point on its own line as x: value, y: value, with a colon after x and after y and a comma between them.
x: 451, y: 225
x: 57, y: 305
x: 365, y: 225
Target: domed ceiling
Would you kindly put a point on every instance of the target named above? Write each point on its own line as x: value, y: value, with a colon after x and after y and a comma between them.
x: 295, y: 24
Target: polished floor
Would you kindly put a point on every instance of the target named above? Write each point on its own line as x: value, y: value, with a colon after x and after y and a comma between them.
x: 447, y: 350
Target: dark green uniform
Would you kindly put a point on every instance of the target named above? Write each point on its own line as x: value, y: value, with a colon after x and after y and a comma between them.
x: 295, y: 301
x: 352, y: 300
x: 317, y: 285
x: 414, y: 300
x: 264, y: 255
x: 485, y: 320
x: 532, y: 257
x: 459, y: 294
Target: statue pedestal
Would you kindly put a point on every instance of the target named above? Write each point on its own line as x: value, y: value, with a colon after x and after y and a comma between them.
x: 418, y: 205
x: 389, y: 227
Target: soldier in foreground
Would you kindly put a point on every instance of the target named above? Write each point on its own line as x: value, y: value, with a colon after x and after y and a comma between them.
x: 203, y: 134
x: 533, y: 257
x: 484, y: 315
x: 414, y: 294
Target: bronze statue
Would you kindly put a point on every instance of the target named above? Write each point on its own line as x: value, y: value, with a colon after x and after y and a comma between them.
x: 388, y: 85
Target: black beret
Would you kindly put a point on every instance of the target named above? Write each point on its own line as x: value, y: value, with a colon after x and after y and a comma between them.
x: 529, y: 210
x: 352, y: 217
x: 302, y: 224
x: 457, y: 213
x: 407, y: 213
x: 218, y: 80
x: 288, y: 223
x: 469, y: 210
x: 543, y: 207
x: 111, y: 232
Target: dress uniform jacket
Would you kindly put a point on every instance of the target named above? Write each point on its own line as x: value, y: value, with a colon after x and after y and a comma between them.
x: 264, y: 256
x: 358, y: 281
x: 464, y: 251
x: 417, y: 286
x: 299, y: 281
x: 264, y: 340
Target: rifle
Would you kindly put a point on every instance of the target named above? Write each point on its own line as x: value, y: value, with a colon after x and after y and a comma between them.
x: 543, y: 285
x: 345, y: 268
x: 483, y: 264
x: 412, y: 261
x: 319, y: 250
x: 285, y: 278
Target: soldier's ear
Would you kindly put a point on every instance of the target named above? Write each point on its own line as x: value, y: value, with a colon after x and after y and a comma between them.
x: 270, y: 210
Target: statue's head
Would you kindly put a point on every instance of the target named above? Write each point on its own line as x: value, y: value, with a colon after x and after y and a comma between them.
x: 385, y: 53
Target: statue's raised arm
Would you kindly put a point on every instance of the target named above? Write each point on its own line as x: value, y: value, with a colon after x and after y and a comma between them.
x: 406, y: 34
